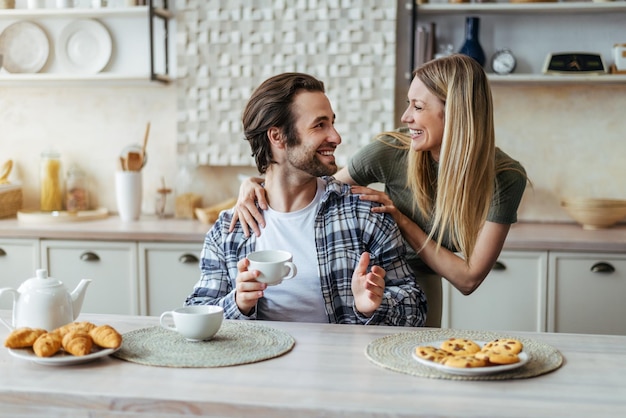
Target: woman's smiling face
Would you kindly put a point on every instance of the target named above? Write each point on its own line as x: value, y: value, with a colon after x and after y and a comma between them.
x: 424, y: 117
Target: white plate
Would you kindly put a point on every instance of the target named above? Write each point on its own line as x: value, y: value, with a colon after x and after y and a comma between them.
x: 470, y: 371
x: 60, y: 359
x: 25, y: 48
x: 84, y: 46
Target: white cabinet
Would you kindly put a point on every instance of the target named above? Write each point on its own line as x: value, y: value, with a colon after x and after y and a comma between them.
x: 586, y: 293
x: 111, y: 266
x: 531, y: 31
x: 19, y: 258
x: 168, y: 272
x: 512, y: 297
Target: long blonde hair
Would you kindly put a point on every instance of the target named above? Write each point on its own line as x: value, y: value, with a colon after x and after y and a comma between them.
x: 457, y: 197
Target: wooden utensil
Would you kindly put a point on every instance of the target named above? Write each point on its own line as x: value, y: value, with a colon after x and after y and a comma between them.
x: 134, y: 161
x: 6, y: 170
x: 145, y: 143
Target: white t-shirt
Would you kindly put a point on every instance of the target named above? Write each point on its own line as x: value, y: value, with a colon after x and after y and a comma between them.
x: 298, y: 299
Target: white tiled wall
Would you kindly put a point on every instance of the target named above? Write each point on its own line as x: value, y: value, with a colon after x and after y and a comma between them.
x: 228, y: 47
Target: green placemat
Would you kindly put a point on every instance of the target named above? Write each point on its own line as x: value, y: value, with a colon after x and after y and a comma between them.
x: 395, y: 352
x: 237, y: 342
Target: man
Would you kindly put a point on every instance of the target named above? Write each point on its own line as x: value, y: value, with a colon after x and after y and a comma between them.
x: 332, y: 234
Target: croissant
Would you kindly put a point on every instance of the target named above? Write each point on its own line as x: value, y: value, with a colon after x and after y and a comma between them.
x: 47, y: 344
x: 84, y: 327
x: 106, y: 336
x: 23, y: 337
x: 77, y: 343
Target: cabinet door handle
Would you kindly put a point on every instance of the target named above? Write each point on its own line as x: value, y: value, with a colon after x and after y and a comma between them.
x: 89, y: 256
x: 188, y: 259
x: 498, y: 266
x: 602, y: 267
x: 2, y: 252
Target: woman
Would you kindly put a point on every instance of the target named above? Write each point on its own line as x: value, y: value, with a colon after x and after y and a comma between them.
x: 446, y: 184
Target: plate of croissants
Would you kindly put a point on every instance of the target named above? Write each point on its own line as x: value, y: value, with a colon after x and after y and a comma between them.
x: 73, y: 343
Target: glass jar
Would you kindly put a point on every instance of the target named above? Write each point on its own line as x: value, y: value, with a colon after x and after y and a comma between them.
x: 51, y: 182
x: 187, y: 191
x: 77, y: 194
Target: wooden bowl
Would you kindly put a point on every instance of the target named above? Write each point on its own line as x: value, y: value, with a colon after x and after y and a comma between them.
x: 595, y: 213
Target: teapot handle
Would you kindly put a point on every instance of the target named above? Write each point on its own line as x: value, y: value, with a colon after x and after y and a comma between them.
x: 14, y: 293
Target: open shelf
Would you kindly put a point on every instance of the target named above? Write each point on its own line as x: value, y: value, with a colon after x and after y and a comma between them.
x: 557, y: 79
x: 129, y: 53
x: 532, y: 31
x: 527, y: 8
x: 75, y: 12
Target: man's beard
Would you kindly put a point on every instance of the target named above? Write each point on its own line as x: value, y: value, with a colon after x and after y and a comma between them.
x: 312, y: 166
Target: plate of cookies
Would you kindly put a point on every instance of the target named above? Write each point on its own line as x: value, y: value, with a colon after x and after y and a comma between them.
x: 73, y: 343
x: 463, y: 356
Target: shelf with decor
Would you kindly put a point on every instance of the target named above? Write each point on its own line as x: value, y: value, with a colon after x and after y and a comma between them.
x: 125, y: 45
x: 532, y: 31
x: 529, y: 8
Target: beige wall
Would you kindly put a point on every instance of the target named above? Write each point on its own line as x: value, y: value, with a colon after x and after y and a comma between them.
x: 89, y: 126
x: 571, y: 140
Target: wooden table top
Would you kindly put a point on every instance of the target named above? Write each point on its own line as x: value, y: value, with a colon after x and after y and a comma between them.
x: 326, y: 374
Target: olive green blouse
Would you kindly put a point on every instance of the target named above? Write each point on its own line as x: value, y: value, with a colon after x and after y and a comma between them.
x: 384, y: 161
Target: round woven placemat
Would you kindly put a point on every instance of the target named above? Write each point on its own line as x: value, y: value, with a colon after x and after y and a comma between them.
x: 237, y: 342
x: 395, y: 352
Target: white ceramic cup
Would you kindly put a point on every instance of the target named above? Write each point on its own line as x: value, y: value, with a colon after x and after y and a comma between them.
x: 274, y: 265
x: 128, y: 193
x: 195, y: 323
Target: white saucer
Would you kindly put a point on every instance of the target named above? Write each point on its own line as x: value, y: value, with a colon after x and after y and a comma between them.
x: 60, y: 359
x: 84, y: 46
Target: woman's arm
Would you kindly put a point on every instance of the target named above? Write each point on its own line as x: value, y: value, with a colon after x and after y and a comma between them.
x: 466, y: 278
x: 246, y: 211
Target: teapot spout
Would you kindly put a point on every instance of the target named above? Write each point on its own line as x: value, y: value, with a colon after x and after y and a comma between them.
x: 78, y: 295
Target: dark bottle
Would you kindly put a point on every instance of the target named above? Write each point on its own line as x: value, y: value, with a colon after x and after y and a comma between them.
x: 472, y: 47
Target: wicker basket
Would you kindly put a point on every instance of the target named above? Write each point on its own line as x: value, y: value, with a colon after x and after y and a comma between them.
x: 10, y: 200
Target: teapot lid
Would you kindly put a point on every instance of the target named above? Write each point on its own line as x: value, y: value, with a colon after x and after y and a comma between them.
x: 40, y: 280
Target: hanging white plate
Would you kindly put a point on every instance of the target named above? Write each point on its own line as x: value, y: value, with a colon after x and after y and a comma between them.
x: 84, y: 46
x: 24, y: 47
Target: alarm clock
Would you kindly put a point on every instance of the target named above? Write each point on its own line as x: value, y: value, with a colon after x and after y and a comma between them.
x: 503, y: 61
x: 574, y: 63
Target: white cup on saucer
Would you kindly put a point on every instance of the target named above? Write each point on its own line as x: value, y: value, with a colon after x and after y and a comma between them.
x: 195, y: 323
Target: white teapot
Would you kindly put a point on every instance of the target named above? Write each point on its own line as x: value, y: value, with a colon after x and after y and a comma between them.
x: 44, y: 302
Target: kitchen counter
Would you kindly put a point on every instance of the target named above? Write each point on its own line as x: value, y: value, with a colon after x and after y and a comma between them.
x: 565, y: 237
x: 326, y: 374
x: 523, y: 235
x: 148, y: 228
